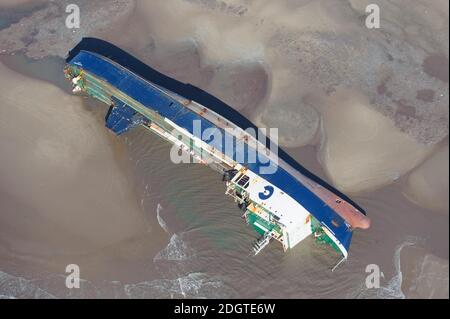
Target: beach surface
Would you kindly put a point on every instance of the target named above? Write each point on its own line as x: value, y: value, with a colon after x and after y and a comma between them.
x: 367, y: 110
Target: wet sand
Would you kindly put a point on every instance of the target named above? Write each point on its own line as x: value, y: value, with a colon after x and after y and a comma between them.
x: 424, y: 275
x: 13, y: 3
x: 427, y: 186
x: 92, y: 198
x: 362, y: 150
x: 62, y: 192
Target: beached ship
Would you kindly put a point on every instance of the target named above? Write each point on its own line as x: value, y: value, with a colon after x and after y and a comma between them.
x: 285, y: 203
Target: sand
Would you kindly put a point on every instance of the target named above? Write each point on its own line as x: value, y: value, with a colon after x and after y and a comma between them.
x: 283, y: 64
x: 13, y: 3
x: 243, y: 85
x: 427, y: 185
x: 43, y: 31
x: 61, y: 187
x: 323, y: 44
x: 288, y: 111
x: 310, y: 48
x: 361, y: 150
x: 425, y: 276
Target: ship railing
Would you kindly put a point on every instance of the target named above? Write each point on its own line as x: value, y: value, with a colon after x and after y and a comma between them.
x: 262, y: 242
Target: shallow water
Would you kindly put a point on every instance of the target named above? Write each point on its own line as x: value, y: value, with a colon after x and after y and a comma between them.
x: 198, y: 246
x: 208, y: 245
x: 13, y: 15
x: 48, y: 69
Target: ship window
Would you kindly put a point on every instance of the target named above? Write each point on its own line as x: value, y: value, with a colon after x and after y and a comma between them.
x: 243, y: 181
